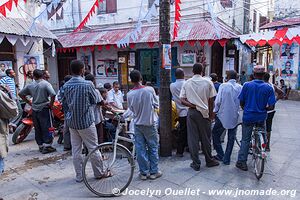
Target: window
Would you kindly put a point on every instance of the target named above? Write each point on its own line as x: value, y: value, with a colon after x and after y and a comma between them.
x: 107, y: 6
x: 58, y: 11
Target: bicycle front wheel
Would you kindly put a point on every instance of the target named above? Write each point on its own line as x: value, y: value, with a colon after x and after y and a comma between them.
x: 118, y: 173
x: 259, y: 160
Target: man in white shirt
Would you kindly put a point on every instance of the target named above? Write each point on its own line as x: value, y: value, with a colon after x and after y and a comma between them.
x: 181, y: 111
x: 227, y: 107
x: 115, y: 97
x: 197, y: 93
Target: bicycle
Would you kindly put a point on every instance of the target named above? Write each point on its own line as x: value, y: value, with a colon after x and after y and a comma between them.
x: 117, y: 162
x: 258, y: 142
x: 257, y: 149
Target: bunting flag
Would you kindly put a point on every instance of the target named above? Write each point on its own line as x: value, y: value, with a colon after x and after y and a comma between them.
x: 88, y: 16
x: 177, y: 18
x: 133, y: 36
x: 8, y: 5
x: 44, y: 13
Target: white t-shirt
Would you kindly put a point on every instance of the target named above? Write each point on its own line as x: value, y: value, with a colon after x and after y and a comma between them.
x: 117, y: 98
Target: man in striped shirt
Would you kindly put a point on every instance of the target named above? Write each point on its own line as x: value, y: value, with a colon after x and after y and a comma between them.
x: 9, y: 81
x: 79, y: 98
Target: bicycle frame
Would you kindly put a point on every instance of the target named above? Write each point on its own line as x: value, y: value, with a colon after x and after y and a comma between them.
x: 259, y: 133
x: 121, y: 138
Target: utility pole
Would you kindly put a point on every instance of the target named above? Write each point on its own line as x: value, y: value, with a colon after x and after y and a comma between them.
x: 165, y: 78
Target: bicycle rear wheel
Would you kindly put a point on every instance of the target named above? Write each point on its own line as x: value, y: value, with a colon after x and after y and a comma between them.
x: 259, y: 160
x: 121, y: 170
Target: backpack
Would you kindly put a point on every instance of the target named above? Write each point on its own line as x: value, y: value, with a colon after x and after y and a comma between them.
x: 8, y: 108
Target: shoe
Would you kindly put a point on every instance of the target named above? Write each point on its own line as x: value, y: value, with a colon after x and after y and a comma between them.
x: 226, y: 163
x: 213, y: 163
x: 155, y: 176
x: 217, y: 158
x: 79, y: 179
x: 241, y: 165
x: 67, y: 149
x: 179, y: 155
x: 195, y: 166
x: 143, y: 177
x: 41, y: 149
x: 48, y: 149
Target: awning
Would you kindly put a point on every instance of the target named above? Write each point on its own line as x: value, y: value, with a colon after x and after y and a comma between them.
x: 282, y: 36
x: 203, y: 30
x: 19, y: 29
x: 289, y: 22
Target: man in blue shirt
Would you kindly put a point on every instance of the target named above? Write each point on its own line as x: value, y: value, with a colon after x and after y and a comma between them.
x: 227, y: 107
x: 256, y: 99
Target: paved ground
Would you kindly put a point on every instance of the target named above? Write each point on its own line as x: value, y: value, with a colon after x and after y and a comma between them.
x: 30, y: 175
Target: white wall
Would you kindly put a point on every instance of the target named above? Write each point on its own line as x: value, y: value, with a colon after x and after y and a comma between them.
x: 128, y: 13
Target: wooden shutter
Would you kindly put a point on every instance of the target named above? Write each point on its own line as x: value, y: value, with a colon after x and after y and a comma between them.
x: 111, y: 6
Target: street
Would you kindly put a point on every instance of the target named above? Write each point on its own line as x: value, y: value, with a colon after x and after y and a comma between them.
x: 31, y: 175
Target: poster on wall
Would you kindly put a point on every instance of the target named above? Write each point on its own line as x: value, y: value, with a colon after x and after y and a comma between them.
x: 111, y: 68
x: 167, y: 57
x: 229, y: 65
x: 100, y: 72
x: 31, y: 63
x: 289, y: 57
x: 6, y: 65
x: 87, y: 60
x: 131, y: 60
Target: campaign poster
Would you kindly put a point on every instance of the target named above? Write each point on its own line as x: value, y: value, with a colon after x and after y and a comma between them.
x: 31, y: 63
x: 6, y: 65
x: 289, y: 57
x: 87, y: 61
x: 167, y: 57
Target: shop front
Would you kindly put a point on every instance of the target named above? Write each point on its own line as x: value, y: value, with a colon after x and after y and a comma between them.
x: 23, y: 51
x: 100, y: 53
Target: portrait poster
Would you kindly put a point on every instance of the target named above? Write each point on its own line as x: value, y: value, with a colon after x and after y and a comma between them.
x: 167, y: 57
x: 7, y: 64
x: 289, y: 58
x: 87, y: 60
x: 31, y: 63
x: 111, y: 68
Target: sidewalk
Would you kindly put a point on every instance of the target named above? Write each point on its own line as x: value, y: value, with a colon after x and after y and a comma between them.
x: 31, y: 175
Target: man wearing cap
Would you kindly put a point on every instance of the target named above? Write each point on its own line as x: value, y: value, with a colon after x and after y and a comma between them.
x: 256, y: 99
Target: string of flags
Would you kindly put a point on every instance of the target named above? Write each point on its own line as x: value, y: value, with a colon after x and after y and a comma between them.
x: 8, y: 5
x: 177, y: 18
x: 133, y: 36
x: 44, y: 14
x: 88, y: 16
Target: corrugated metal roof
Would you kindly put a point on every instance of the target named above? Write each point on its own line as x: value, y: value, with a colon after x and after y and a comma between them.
x: 282, y: 23
x: 196, y: 30
x: 16, y: 26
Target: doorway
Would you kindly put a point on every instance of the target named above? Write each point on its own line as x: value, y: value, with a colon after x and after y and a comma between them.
x: 217, y: 60
x: 148, y: 60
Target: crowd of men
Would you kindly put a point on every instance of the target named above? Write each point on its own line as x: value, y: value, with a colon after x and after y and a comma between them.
x: 201, y: 103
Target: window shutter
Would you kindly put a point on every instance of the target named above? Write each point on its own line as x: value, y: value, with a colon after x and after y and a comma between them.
x: 111, y: 6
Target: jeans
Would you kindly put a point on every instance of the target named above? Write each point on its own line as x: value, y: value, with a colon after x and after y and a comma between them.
x: 216, y: 135
x: 182, y: 137
x: 146, y: 143
x: 41, y: 122
x: 247, y: 129
x: 1, y: 165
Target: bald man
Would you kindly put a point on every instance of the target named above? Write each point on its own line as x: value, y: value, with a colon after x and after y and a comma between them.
x: 181, y: 111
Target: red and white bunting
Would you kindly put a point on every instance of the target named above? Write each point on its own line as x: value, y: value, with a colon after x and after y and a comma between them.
x: 88, y: 16
x: 177, y: 18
